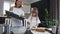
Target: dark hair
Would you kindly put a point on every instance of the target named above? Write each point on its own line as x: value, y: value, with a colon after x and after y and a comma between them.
x: 16, y: 4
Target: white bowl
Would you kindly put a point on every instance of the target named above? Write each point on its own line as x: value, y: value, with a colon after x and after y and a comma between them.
x: 19, y: 30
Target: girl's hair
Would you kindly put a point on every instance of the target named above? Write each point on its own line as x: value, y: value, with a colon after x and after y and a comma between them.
x: 34, y: 10
x: 16, y: 4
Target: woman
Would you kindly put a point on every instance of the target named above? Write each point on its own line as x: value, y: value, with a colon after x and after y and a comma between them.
x: 16, y: 23
x: 17, y: 8
x: 34, y: 19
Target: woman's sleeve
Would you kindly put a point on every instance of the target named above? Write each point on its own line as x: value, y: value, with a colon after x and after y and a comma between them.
x: 29, y: 19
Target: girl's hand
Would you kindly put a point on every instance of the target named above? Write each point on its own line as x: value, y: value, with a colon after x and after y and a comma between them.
x: 34, y: 26
x: 28, y: 26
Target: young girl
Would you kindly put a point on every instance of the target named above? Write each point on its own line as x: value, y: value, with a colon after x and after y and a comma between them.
x: 33, y: 19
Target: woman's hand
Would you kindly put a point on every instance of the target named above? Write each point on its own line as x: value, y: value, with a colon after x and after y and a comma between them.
x: 22, y: 16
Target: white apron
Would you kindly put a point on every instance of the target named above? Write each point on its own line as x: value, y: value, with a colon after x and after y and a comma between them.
x: 17, y: 25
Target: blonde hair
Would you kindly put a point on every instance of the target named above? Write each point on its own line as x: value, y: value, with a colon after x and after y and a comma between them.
x: 34, y: 10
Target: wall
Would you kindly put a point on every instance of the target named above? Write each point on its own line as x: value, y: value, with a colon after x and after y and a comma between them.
x: 54, y: 9
x: 26, y: 8
x: 59, y: 17
x: 1, y: 7
x: 59, y: 9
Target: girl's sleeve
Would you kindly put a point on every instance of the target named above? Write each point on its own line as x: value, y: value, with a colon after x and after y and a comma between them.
x: 38, y: 20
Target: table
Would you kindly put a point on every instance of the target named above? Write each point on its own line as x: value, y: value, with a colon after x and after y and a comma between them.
x: 46, y: 32
x: 35, y: 32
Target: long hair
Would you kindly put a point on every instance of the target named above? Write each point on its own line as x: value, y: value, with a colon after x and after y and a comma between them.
x: 16, y: 4
x: 35, y: 10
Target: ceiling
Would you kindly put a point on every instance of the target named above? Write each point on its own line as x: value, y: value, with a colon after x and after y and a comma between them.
x: 30, y: 1
x: 25, y: 1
